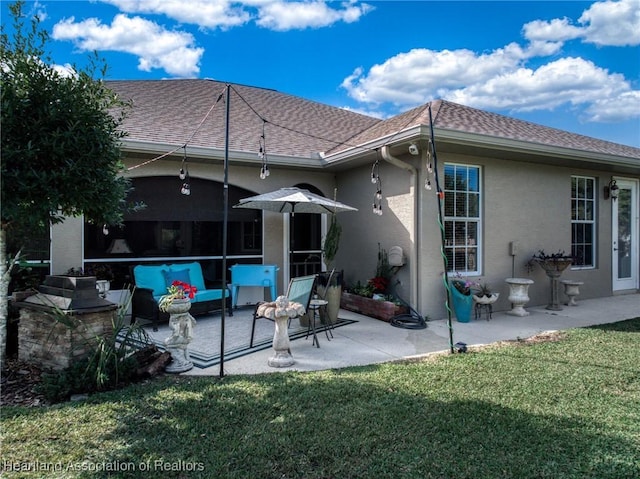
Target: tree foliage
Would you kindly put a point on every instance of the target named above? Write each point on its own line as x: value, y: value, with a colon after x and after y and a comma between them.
x: 60, y: 144
x: 60, y: 138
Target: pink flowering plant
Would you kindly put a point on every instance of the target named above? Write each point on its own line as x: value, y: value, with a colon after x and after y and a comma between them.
x: 177, y: 290
x: 468, y: 287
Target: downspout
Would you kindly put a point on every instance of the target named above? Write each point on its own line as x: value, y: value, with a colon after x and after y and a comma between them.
x: 413, y: 255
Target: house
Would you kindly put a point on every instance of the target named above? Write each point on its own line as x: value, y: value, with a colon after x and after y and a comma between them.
x: 511, y: 188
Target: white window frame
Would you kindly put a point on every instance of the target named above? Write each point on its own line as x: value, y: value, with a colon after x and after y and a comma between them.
x: 583, y: 221
x: 449, y: 247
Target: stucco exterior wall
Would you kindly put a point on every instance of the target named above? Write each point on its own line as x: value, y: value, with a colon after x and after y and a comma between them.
x: 362, y: 231
x: 525, y: 203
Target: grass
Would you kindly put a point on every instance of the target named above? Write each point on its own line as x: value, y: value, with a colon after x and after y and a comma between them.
x: 559, y: 409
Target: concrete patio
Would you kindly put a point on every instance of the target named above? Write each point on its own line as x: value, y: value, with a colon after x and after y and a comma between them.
x: 370, y: 341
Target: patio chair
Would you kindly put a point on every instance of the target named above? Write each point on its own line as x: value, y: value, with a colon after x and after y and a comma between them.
x: 300, y: 291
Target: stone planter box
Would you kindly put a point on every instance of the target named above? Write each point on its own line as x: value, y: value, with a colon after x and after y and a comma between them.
x: 383, y: 310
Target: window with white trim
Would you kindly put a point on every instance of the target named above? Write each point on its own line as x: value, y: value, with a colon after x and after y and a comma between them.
x: 583, y: 221
x: 462, y: 225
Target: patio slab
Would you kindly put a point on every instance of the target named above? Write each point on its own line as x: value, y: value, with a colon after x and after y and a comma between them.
x: 370, y: 341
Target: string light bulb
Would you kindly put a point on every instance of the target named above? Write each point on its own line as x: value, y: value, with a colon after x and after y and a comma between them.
x: 262, y: 154
x: 375, y: 175
x: 427, y: 184
x: 186, y: 186
x: 184, y: 169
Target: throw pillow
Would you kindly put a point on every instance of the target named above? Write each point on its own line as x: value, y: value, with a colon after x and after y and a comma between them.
x: 172, y: 275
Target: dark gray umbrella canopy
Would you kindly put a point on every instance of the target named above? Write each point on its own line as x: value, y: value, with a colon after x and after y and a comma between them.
x: 293, y: 200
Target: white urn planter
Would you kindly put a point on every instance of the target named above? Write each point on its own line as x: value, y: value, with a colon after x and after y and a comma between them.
x: 518, y: 295
x: 571, y: 290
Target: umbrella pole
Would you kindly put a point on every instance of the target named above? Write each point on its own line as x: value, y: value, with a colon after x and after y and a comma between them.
x: 225, y: 222
x: 291, y: 243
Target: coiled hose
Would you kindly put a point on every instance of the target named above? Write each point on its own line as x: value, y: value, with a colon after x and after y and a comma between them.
x: 410, y: 320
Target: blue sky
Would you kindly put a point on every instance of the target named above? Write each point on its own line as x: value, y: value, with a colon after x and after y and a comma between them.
x: 571, y: 65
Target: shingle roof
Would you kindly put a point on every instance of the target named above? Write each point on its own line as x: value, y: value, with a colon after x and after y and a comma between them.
x: 452, y: 116
x: 169, y: 112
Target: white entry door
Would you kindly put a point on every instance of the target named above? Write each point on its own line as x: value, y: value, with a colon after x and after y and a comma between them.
x: 625, y: 260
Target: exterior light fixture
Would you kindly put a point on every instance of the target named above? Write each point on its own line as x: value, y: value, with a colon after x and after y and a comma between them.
x: 413, y: 149
x: 611, y: 190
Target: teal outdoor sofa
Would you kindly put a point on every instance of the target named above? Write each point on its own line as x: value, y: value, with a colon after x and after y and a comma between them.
x: 151, y: 283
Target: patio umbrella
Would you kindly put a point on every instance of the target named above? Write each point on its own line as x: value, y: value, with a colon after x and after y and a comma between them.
x: 293, y: 200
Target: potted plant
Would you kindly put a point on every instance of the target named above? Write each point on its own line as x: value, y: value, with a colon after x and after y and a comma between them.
x: 553, y: 266
x: 374, y: 298
x: 462, y: 297
x: 177, y: 302
x: 330, y: 282
x: 177, y: 298
x: 484, y: 295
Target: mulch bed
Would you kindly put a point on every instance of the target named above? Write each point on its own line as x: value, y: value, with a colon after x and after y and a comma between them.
x: 18, y: 385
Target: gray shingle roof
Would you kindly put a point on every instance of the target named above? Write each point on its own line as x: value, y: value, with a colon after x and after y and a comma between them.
x: 169, y: 111
x: 452, y: 116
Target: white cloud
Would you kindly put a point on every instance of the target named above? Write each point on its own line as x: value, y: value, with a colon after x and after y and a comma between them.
x: 613, y: 23
x: 502, y: 79
x: 420, y: 74
x: 557, y: 30
x: 282, y: 16
x: 277, y: 15
x: 156, y: 47
x: 606, y: 23
x: 566, y: 81
x: 617, y: 109
x: 209, y: 14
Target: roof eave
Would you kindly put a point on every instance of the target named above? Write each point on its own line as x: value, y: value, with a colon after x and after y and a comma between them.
x: 529, y: 149
x: 205, y: 154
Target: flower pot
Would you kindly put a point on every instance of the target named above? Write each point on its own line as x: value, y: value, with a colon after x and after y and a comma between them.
x: 332, y: 292
x: 518, y: 295
x: 462, y: 304
x: 492, y: 298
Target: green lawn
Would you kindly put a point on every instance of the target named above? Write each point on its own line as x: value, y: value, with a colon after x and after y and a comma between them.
x: 563, y: 409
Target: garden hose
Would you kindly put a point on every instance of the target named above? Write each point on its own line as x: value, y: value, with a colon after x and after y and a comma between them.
x: 411, y: 320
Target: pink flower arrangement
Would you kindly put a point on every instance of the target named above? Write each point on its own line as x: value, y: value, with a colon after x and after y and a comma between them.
x: 177, y: 290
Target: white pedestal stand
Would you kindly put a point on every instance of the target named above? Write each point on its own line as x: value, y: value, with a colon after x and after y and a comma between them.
x: 182, y: 324
x: 281, y: 310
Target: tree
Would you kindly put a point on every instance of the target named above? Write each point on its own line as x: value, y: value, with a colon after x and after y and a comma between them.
x: 60, y: 144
